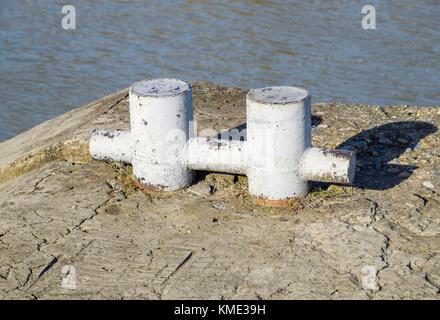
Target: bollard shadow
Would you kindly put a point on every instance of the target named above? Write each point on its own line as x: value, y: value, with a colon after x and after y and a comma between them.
x: 376, y: 148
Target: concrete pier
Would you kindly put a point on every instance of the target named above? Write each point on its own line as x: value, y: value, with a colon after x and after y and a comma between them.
x: 380, y: 239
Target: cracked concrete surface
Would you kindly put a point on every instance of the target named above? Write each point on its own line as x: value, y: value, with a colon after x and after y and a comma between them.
x: 59, y: 208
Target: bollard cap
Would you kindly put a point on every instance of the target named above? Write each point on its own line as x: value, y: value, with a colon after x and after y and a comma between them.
x: 278, y: 95
x: 159, y: 88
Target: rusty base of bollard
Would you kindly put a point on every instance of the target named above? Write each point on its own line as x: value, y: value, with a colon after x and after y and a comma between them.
x: 149, y: 188
x: 261, y: 201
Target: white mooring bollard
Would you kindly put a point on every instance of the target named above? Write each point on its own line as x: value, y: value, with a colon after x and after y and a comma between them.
x: 160, y: 116
x: 277, y: 157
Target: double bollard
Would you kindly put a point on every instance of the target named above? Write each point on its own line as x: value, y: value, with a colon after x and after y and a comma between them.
x: 277, y: 156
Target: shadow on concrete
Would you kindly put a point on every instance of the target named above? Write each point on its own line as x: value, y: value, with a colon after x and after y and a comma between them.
x: 376, y: 149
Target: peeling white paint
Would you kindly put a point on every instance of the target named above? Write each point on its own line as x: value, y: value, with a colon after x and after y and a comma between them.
x: 160, y: 113
x: 277, y: 157
x: 278, y: 134
x: 216, y: 155
x: 328, y: 165
x: 112, y: 145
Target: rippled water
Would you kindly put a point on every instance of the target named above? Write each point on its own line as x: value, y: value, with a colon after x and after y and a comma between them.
x: 46, y: 70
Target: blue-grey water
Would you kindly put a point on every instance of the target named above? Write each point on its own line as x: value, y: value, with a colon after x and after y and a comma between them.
x: 46, y: 71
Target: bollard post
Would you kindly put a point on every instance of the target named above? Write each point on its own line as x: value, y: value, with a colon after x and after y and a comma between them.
x: 278, y: 133
x: 160, y: 116
x: 277, y: 156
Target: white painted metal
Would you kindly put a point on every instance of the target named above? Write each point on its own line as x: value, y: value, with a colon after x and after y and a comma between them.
x: 278, y: 134
x: 160, y: 116
x: 110, y: 145
x: 216, y: 155
x: 277, y: 156
x: 328, y: 165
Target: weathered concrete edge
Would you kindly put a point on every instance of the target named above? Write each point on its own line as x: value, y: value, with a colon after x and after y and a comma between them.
x: 70, y: 149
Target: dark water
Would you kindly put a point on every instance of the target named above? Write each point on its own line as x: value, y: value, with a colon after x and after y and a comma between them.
x: 46, y: 70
